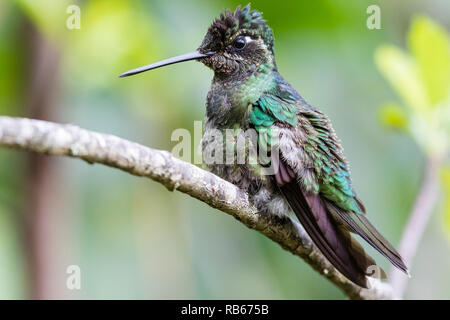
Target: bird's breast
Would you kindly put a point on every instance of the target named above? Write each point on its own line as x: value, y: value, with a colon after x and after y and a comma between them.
x: 232, y: 155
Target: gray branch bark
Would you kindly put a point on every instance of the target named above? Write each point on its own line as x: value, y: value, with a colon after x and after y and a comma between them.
x: 69, y: 140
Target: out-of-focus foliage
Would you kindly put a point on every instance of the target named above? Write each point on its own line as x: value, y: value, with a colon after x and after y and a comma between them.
x: 134, y: 239
x: 430, y: 46
x: 422, y: 80
x: 394, y: 116
x: 103, y: 42
x: 49, y: 15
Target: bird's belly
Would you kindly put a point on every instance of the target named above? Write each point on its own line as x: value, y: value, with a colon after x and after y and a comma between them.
x: 261, y: 188
x: 220, y: 155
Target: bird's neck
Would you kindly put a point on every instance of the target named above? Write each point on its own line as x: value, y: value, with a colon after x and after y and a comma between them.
x: 230, y: 97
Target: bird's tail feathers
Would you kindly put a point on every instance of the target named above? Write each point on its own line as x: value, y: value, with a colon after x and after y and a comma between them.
x: 360, y: 225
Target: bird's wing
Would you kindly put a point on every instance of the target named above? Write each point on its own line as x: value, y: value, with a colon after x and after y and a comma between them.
x: 334, y: 184
x: 313, y: 177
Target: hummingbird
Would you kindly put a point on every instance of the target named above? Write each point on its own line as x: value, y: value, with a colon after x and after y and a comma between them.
x: 311, y: 177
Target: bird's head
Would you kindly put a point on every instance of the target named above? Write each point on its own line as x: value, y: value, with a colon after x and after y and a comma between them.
x: 236, y: 43
x: 241, y: 42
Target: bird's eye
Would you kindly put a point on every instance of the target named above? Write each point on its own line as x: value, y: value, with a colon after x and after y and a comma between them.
x: 240, y: 43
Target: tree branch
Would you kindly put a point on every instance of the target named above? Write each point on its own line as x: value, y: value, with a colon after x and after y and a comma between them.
x: 69, y: 140
x: 420, y: 214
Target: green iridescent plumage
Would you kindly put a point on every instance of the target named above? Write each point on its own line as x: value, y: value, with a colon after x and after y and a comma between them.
x: 320, y: 143
x: 310, y: 176
x: 326, y: 192
x: 313, y: 174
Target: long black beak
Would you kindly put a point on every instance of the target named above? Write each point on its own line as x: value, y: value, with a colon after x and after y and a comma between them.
x: 184, y: 57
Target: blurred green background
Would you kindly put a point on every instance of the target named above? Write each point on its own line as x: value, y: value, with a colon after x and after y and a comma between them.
x: 130, y: 236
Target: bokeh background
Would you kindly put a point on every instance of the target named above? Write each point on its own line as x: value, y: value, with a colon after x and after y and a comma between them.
x: 130, y: 236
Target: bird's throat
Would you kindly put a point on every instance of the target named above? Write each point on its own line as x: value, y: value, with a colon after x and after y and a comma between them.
x: 228, y: 100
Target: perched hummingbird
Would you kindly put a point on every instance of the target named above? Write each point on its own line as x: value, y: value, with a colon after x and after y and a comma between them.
x: 311, y: 177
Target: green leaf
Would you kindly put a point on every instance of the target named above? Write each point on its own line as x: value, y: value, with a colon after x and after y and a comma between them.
x: 429, y: 44
x: 402, y: 73
x: 393, y: 116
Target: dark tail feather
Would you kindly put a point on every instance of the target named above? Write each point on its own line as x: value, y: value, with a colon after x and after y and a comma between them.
x: 361, y: 226
x: 380, y: 243
x: 334, y: 242
x: 364, y: 261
